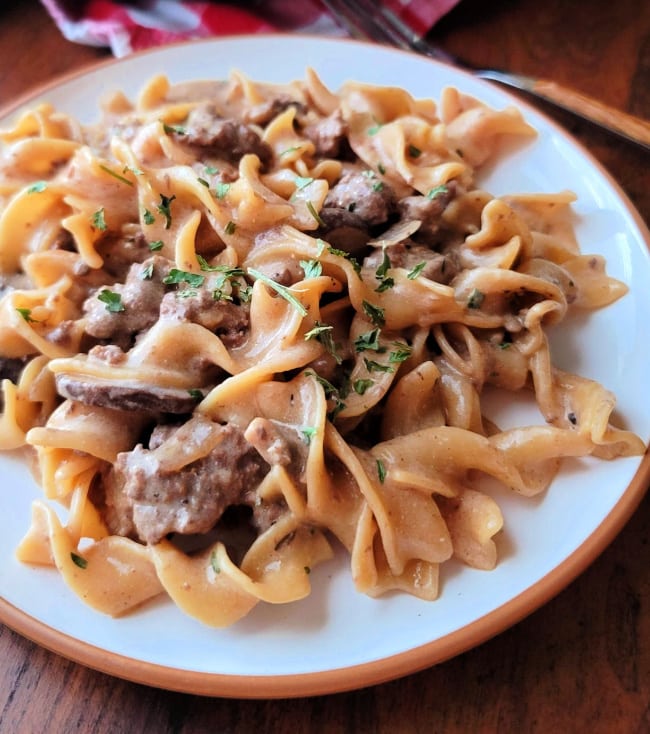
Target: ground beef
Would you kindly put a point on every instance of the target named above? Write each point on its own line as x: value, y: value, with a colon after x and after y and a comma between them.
x: 363, y: 194
x: 222, y: 137
x: 439, y: 267
x: 145, y: 500
x: 330, y: 137
x: 263, y: 113
x: 120, y: 252
x: 343, y: 229
x: 140, y: 296
x: 427, y: 210
x: 227, y: 320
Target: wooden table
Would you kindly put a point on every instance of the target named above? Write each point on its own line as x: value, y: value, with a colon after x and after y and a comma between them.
x: 579, y: 664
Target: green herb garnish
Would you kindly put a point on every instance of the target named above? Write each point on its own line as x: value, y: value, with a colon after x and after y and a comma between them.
x: 182, y: 276
x: 26, y: 313
x: 116, y: 175
x: 416, y: 271
x: 308, y: 433
x: 221, y: 190
x: 360, y: 386
x: 373, y: 366
x: 312, y: 210
x: 164, y: 208
x: 374, y: 313
x: 281, y: 290
x: 437, y: 191
x: 381, y: 471
x: 99, y: 220
x: 112, y: 300
x: 78, y: 560
x: 475, y: 298
x: 147, y: 273
x: 156, y: 245
x: 368, y: 341
x: 178, y: 129
x: 311, y: 268
x: 37, y: 187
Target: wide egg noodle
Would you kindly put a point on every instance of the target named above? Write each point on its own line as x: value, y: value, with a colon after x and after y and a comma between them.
x: 357, y: 377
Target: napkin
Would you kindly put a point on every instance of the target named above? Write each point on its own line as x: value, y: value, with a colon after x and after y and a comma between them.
x: 126, y: 27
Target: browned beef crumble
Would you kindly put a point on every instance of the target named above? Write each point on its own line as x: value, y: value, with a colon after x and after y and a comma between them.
x: 144, y: 500
x: 223, y: 137
x: 365, y: 195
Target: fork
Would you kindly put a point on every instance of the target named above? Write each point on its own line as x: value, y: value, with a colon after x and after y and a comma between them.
x: 370, y: 20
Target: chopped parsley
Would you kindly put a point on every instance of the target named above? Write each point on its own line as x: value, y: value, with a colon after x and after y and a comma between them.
x: 331, y: 392
x: 37, y: 187
x: 116, y: 175
x: 135, y: 171
x: 112, y: 300
x: 195, y: 393
x: 182, y: 276
x: 203, y: 182
x: 374, y: 313
x: 373, y: 366
x: 214, y: 562
x: 311, y: 268
x: 78, y: 560
x: 308, y: 433
x: 303, y: 181
x: 164, y: 208
x: 26, y: 313
x: 414, y: 151
x: 318, y: 330
x: 347, y: 256
x: 381, y: 168
x: 416, y: 271
x: 230, y: 228
x: 360, y: 386
x: 368, y: 341
x: 147, y: 273
x: 374, y: 129
x: 437, y: 191
x: 475, y: 298
x: 385, y: 281
x: 292, y: 149
x: 178, y: 129
x: 148, y: 217
x: 221, y: 190
x: 323, y: 334
x: 381, y: 471
x: 312, y: 210
x: 156, y: 245
x: 211, y: 170
x: 401, y: 354
x: 99, y: 220
x: 281, y: 290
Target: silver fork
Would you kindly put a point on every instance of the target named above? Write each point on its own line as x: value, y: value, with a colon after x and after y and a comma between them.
x: 370, y: 20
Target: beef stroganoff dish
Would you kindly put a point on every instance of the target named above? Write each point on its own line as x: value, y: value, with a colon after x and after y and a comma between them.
x: 246, y: 323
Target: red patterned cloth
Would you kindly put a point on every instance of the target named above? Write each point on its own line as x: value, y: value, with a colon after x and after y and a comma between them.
x: 130, y: 26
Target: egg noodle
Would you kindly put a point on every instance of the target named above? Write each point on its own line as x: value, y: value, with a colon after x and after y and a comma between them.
x: 243, y: 323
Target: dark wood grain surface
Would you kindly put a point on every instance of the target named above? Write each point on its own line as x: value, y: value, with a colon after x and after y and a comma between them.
x: 579, y: 664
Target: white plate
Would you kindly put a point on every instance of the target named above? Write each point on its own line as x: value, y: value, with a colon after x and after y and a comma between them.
x: 338, y: 639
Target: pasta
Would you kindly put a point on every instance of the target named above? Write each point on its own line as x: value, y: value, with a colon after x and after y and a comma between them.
x: 243, y: 323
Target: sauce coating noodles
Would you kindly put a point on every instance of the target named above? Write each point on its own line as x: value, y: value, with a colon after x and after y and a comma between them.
x: 242, y: 321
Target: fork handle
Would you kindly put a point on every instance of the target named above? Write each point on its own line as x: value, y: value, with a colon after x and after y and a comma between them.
x: 628, y: 126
